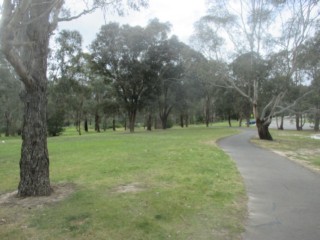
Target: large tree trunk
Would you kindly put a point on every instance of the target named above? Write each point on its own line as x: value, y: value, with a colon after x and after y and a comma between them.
x: 34, y: 163
x: 30, y: 29
x: 263, y: 130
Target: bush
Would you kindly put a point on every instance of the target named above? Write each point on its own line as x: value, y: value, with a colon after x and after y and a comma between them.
x: 55, y: 123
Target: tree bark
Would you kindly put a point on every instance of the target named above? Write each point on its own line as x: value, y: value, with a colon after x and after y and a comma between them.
x: 240, y: 121
x: 281, y: 123
x: 113, y: 124
x: 8, y: 123
x: 317, y: 120
x: 298, y: 125
x: 181, y: 120
x: 34, y: 162
x: 149, y: 122
x: 187, y: 120
x: 97, y: 122
x: 164, y: 114
x: 28, y: 23
x: 132, y: 119
x: 263, y: 130
x: 86, y: 129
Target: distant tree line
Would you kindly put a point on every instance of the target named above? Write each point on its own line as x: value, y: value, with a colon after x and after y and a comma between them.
x: 141, y: 74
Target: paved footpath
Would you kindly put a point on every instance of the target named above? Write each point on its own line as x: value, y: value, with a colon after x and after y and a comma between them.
x: 284, y: 197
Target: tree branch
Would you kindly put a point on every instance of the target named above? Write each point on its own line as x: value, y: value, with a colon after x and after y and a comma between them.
x: 68, y: 19
x: 283, y: 109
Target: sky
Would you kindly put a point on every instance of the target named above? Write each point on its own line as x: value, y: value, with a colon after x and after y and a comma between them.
x: 182, y: 14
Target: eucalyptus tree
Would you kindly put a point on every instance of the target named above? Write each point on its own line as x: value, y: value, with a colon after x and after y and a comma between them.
x: 70, y: 71
x: 309, y: 63
x: 26, y: 27
x: 168, y: 63
x: 248, y: 26
x: 120, y: 54
x: 300, y: 19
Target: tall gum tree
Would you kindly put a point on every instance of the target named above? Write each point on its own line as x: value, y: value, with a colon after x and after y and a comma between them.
x: 249, y: 25
x: 26, y: 27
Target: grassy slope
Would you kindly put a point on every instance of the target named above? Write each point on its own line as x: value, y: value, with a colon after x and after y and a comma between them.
x: 188, y: 188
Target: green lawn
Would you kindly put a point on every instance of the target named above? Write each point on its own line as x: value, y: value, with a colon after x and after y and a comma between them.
x: 174, y: 184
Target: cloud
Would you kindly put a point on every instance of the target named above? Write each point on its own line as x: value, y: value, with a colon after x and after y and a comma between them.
x: 180, y: 13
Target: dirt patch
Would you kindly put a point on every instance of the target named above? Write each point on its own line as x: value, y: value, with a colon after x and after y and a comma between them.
x: 130, y: 188
x: 60, y: 192
x: 211, y: 143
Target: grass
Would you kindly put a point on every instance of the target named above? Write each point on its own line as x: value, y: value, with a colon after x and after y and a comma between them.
x: 174, y: 184
x: 296, y: 145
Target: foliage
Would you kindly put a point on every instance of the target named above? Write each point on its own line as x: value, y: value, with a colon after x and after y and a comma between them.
x: 55, y: 122
x: 10, y: 106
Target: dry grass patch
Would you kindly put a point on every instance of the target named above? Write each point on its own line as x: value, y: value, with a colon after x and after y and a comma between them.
x: 300, y: 147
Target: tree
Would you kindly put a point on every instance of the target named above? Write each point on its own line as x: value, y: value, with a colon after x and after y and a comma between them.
x: 301, y: 19
x: 70, y: 76
x: 248, y: 29
x: 309, y: 62
x: 121, y: 54
x: 26, y: 26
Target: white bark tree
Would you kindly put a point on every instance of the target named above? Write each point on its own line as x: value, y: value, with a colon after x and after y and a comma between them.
x: 249, y: 26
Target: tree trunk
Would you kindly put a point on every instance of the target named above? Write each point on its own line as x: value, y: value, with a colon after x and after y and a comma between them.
x: 164, y: 114
x: 125, y: 124
x: 207, y: 115
x: 8, y: 123
x: 164, y: 120
x: 78, y: 122
x: 97, y: 122
x: 240, y: 121
x: 149, y: 122
x: 86, y: 129
x: 132, y: 119
x: 229, y: 120
x: 298, y: 127
x: 113, y: 124
x: 281, y: 123
x: 30, y: 28
x: 181, y: 120
x: 187, y: 120
x: 263, y: 130
x: 34, y: 162
x: 317, y: 120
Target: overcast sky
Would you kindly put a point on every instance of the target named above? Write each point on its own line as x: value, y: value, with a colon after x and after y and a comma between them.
x: 180, y: 13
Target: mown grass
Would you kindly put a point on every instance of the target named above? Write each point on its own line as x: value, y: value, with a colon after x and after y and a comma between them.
x: 296, y: 145
x: 183, y: 187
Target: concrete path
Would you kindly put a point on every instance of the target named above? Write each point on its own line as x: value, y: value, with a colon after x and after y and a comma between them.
x: 284, y: 197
